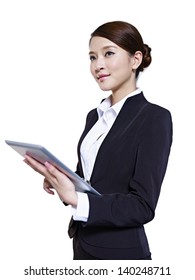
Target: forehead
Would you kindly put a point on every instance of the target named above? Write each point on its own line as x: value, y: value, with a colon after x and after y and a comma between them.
x: 98, y: 43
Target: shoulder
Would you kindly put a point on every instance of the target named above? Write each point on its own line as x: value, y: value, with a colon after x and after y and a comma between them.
x: 157, y: 110
x: 157, y: 122
x: 151, y: 110
x: 154, y: 118
x: 91, y: 118
x: 91, y: 114
x: 154, y: 110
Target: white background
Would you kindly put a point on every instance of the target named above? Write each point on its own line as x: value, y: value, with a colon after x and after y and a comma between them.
x: 46, y: 90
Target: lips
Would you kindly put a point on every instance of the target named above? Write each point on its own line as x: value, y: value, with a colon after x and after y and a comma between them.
x: 102, y: 77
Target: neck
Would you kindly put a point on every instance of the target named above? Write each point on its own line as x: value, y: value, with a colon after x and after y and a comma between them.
x: 118, y: 96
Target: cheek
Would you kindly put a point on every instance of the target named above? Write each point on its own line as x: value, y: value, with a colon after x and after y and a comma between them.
x: 116, y: 65
x: 92, y: 70
x: 123, y: 66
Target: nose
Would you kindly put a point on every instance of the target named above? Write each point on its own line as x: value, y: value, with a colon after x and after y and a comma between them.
x: 99, y: 64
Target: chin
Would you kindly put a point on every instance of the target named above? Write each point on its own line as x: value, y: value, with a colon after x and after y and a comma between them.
x: 104, y: 88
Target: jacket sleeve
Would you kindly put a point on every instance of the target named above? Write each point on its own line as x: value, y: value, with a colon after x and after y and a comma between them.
x: 138, y: 206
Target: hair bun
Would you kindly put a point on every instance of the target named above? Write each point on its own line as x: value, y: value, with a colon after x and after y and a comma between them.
x: 147, y: 58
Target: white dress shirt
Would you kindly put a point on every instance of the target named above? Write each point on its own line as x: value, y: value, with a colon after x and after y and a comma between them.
x: 91, y: 143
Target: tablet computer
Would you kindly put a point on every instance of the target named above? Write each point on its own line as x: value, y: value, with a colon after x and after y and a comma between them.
x: 41, y: 154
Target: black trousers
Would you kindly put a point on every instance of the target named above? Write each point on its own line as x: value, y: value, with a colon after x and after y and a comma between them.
x: 80, y: 254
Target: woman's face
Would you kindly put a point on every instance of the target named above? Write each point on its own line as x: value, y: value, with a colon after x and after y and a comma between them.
x: 111, y: 66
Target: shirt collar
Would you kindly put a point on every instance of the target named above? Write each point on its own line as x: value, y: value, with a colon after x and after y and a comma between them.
x: 106, y: 104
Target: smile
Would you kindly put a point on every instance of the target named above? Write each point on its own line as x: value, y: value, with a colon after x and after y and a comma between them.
x: 102, y: 77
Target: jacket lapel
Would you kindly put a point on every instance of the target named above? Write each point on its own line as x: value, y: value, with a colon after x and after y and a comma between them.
x: 130, y: 110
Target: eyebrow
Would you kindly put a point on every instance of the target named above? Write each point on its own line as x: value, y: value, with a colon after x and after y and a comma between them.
x: 104, y: 48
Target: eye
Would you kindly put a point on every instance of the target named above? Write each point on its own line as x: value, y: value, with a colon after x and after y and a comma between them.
x: 92, y: 57
x: 109, y: 53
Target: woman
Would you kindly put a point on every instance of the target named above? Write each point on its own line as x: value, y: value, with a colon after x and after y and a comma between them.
x: 123, y: 152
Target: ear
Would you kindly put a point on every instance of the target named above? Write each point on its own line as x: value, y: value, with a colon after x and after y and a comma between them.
x: 137, y: 59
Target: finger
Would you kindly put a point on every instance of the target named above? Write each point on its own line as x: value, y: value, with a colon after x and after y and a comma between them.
x: 52, y: 170
x: 47, y: 187
x: 53, y: 173
x: 37, y: 166
x: 48, y: 190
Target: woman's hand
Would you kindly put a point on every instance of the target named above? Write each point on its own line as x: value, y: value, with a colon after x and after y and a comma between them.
x: 54, y: 179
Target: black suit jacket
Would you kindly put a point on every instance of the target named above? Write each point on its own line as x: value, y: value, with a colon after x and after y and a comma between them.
x: 128, y: 172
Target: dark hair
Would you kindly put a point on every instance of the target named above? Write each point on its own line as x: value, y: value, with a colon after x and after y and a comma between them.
x: 126, y: 36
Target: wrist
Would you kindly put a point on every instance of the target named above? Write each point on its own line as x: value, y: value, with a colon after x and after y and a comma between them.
x: 70, y: 199
x: 74, y: 200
